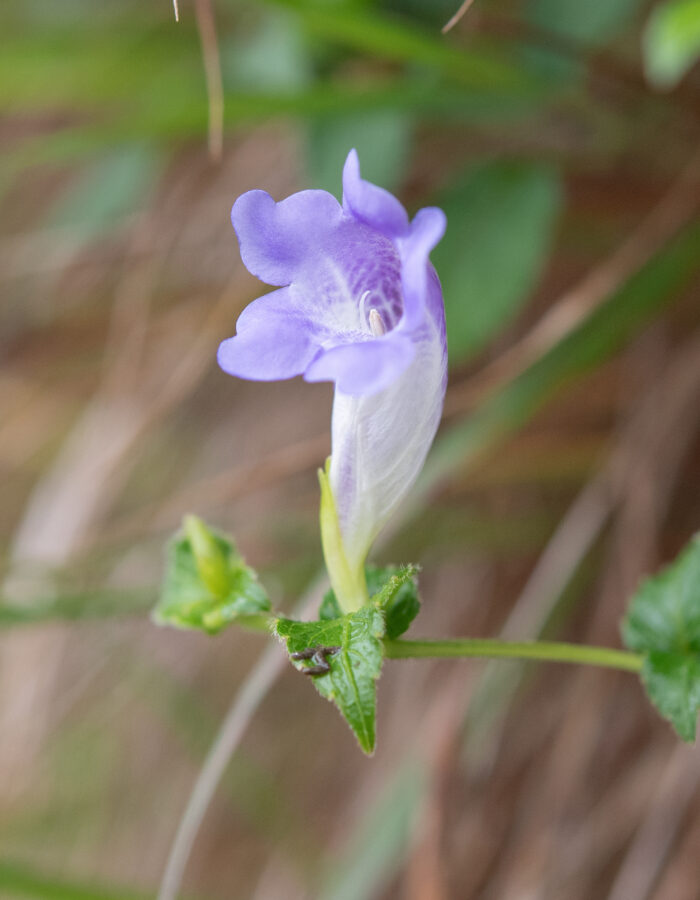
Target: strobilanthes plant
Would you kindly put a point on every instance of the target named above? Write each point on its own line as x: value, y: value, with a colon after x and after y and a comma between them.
x: 359, y: 304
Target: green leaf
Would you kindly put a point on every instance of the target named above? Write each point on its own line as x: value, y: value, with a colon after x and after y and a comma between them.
x: 672, y: 41
x: 393, y: 588
x: 500, y: 223
x: 395, y: 591
x: 115, y: 186
x: 354, y: 667
x: 664, y: 613
x: 330, y: 608
x: 663, y: 621
x: 593, y: 22
x: 382, y: 139
x: 207, y: 584
x: 274, y: 57
x: 672, y: 682
x: 394, y: 38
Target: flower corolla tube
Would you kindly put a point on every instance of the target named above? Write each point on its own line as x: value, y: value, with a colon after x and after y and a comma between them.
x: 358, y: 303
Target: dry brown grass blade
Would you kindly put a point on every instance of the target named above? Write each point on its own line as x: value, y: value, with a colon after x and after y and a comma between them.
x: 669, y: 407
x: 448, y: 26
x: 652, y: 845
x: 206, y: 26
x: 235, y: 724
x: 94, y: 460
x: 218, y: 490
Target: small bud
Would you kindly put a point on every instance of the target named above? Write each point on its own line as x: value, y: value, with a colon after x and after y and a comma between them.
x: 210, y: 559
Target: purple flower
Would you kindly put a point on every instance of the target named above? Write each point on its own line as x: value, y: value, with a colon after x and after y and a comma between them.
x: 358, y: 304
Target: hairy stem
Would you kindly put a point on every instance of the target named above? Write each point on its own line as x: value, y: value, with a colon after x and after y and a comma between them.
x: 543, y: 651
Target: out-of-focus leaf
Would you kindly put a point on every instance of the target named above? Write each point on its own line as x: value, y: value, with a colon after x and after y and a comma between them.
x: 390, y: 37
x: 381, y: 839
x: 275, y: 57
x: 500, y: 222
x: 395, y: 591
x: 592, y: 22
x: 207, y: 584
x: 382, y: 139
x: 434, y: 12
x: 107, y: 190
x: 663, y: 622
x: 672, y: 41
x: 355, y: 662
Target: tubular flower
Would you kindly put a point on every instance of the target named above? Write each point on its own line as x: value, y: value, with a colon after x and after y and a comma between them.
x: 358, y: 303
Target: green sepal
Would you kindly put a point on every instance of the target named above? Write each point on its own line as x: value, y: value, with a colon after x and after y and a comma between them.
x: 207, y: 584
x: 329, y: 608
x: 348, y: 582
x: 394, y: 588
x: 663, y: 622
x: 354, y: 667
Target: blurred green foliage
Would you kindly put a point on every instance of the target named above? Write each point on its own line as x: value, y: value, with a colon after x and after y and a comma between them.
x: 506, y: 122
x: 672, y: 41
x: 594, y: 22
x: 501, y: 221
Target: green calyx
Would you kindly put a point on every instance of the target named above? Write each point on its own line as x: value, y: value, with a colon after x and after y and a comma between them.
x: 349, y: 585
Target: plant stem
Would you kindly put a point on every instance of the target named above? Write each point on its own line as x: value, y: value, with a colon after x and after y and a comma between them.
x: 544, y: 651
x: 256, y: 622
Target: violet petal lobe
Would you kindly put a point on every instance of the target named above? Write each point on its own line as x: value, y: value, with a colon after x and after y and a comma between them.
x: 273, y: 341
x: 370, y: 204
x: 363, y: 368
x: 359, y: 304
x: 427, y: 229
x: 276, y: 239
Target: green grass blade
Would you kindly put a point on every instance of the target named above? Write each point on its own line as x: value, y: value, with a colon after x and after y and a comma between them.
x: 18, y: 880
x: 70, y: 607
x: 388, y: 37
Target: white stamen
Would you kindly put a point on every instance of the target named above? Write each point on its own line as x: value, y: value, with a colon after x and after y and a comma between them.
x: 363, y: 300
x: 376, y: 323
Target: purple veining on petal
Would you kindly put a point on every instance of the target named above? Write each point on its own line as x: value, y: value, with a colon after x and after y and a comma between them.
x: 336, y: 264
x: 371, y: 204
x: 277, y: 240
x: 358, y: 304
x: 274, y: 340
x: 336, y: 282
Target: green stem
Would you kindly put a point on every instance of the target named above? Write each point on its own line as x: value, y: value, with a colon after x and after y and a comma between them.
x: 544, y: 651
x: 256, y: 622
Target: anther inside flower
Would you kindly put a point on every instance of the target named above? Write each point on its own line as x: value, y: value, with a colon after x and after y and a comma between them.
x: 360, y: 305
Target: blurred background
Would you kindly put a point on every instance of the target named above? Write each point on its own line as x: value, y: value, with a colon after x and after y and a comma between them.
x: 561, y: 138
